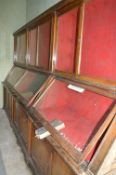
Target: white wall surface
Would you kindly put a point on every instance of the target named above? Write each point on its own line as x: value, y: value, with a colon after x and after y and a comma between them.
x: 12, y: 16
x: 36, y: 7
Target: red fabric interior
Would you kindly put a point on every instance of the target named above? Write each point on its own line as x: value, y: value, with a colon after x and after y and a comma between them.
x: 67, y: 24
x: 99, y: 40
x: 44, y: 34
x: 80, y: 112
x: 32, y: 46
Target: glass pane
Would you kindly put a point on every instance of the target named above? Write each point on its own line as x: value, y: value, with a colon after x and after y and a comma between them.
x: 30, y: 84
x: 32, y: 46
x: 99, y: 40
x: 44, y: 34
x: 80, y: 112
x: 15, y: 75
x: 67, y: 25
x: 21, y: 48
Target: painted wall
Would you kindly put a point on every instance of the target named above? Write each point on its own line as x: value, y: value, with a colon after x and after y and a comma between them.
x: 12, y: 16
x: 36, y: 7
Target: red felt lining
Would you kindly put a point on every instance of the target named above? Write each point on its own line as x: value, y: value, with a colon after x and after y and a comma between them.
x: 67, y: 25
x: 32, y: 46
x: 99, y: 40
x: 44, y: 34
x: 81, y: 112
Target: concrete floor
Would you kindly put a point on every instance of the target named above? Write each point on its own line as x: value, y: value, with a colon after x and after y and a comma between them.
x: 11, y: 157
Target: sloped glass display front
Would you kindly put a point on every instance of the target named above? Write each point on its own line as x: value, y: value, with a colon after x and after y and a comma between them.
x: 30, y: 84
x: 99, y: 40
x: 32, y: 46
x: 15, y: 75
x: 67, y: 31
x: 80, y: 112
x: 21, y: 48
x: 44, y: 34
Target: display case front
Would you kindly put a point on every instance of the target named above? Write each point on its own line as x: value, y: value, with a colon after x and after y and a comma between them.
x: 32, y: 46
x: 30, y: 84
x: 21, y: 48
x: 43, y: 44
x: 67, y: 25
x: 64, y: 72
x: 15, y: 74
x: 98, y: 58
x: 81, y: 112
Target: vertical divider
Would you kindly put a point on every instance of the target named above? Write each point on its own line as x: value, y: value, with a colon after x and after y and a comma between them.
x: 27, y: 47
x: 30, y: 132
x: 53, y: 48
x: 37, y: 44
x: 79, y: 39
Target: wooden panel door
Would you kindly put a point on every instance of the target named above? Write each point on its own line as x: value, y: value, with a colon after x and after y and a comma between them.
x: 5, y: 98
x: 59, y: 167
x: 17, y: 115
x: 41, y: 153
x: 23, y: 125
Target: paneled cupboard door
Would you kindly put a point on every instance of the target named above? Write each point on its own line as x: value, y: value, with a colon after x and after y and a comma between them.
x: 41, y: 153
x: 59, y: 167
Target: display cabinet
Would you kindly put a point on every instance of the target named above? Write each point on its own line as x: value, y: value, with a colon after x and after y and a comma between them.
x: 64, y: 72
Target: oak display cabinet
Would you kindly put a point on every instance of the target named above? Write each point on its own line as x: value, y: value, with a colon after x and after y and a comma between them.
x: 64, y: 70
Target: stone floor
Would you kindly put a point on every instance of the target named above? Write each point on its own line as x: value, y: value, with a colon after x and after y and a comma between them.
x: 11, y: 157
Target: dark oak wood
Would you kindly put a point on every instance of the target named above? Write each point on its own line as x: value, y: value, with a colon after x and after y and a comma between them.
x: 104, y: 147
